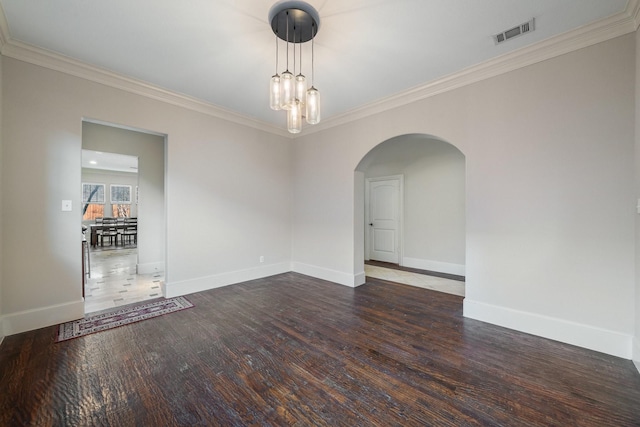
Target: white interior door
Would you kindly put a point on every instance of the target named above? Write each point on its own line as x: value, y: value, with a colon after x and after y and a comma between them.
x: 384, y: 220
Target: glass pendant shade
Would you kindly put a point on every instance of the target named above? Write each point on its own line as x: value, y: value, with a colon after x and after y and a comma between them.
x: 294, y: 117
x: 294, y: 22
x: 288, y: 91
x: 274, y: 89
x: 301, y: 89
x: 313, y: 106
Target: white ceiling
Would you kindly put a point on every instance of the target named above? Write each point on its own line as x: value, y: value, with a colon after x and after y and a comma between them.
x: 109, y: 161
x: 223, y: 51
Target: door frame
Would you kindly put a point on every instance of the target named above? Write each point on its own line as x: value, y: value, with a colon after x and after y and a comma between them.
x: 165, y: 178
x: 367, y: 229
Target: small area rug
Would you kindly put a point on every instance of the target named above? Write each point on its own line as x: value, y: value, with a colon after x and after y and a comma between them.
x: 122, y: 316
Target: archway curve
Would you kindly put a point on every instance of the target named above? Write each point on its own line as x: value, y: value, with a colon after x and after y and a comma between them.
x: 427, y: 160
x: 424, y: 136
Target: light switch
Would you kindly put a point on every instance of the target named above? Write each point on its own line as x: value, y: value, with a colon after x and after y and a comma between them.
x: 66, y: 205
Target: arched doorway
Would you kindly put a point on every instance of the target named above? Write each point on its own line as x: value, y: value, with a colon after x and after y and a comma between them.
x: 431, y: 232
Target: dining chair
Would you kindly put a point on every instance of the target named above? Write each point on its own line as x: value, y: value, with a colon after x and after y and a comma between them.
x: 111, y: 232
x: 98, y: 231
x: 130, y: 230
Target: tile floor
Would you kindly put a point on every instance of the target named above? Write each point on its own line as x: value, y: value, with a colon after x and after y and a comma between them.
x: 449, y: 286
x: 114, y: 282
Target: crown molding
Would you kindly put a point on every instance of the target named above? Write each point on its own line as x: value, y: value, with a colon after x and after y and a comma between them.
x: 4, y: 28
x: 57, y: 62
x: 617, y: 25
x: 633, y: 9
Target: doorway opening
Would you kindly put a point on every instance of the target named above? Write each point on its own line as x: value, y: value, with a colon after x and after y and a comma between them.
x: 412, y: 210
x: 122, y: 216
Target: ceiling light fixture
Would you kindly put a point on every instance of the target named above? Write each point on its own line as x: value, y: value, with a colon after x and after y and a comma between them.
x: 294, y: 22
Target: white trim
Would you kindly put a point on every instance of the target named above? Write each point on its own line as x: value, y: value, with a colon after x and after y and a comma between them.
x: 636, y: 353
x: 367, y: 220
x: 124, y: 127
x: 586, y: 336
x: 633, y: 9
x: 4, y: 29
x: 28, y: 320
x: 367, y: 217
x: 617, y: 25
x: 437, y: 266
x: 1, y: 329
x: 150, y: 267
x: 339, y: 277
x: 359, y: 278
x: 55, y: 61
x: 174, y: 289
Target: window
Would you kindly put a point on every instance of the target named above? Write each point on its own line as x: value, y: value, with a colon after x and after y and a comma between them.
x: 121, y: 201
x: 92, y: 212
x: 121, y: 211
x: 92, y: 201
x: 92, y: 193
x: 121, y: 194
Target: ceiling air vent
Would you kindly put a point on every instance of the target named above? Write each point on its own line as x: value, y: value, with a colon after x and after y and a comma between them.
x: 521, y: 29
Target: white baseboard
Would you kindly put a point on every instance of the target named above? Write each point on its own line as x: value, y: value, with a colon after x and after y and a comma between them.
x: 1, y: 329
x: 346, y: 279
x: 636, y: 352
x: 28, y: 320
x: 437, y: 266
x: 185, y: 287
x: 590, y: 337
x: 150, y: 268
x: 359, y: 279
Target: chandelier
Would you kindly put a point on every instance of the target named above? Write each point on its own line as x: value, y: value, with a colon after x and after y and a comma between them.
x: 295, y: 22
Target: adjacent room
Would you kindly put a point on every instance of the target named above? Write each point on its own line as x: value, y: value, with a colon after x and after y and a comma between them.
x: 114, y: 274
x: 338, y: 212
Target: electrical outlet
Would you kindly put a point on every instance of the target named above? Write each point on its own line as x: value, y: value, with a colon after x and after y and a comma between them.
x: 261, y: 258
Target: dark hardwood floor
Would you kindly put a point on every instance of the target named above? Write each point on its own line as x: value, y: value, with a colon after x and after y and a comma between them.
x: 292, y: 350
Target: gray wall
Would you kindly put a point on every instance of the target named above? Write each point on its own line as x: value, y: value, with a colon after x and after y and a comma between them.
x: 434, y: 198
x: 150, y: 151
x: 228, y: 192
x: 550, y: 203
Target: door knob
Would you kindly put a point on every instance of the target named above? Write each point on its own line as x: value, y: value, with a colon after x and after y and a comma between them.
x: 371, y: 224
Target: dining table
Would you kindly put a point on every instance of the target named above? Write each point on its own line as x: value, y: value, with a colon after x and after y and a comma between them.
x: 94, y: 232
x: 95, y: 227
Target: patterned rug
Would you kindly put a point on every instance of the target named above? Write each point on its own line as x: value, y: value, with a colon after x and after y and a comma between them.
x: 122, y: 316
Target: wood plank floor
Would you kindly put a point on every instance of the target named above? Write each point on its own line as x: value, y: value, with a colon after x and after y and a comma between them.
x: 292, y: 350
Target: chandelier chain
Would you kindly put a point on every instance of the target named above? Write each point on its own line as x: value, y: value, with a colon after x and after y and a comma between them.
x: 313, y: 65
x: 276, y: 54
x: 287, y: 40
